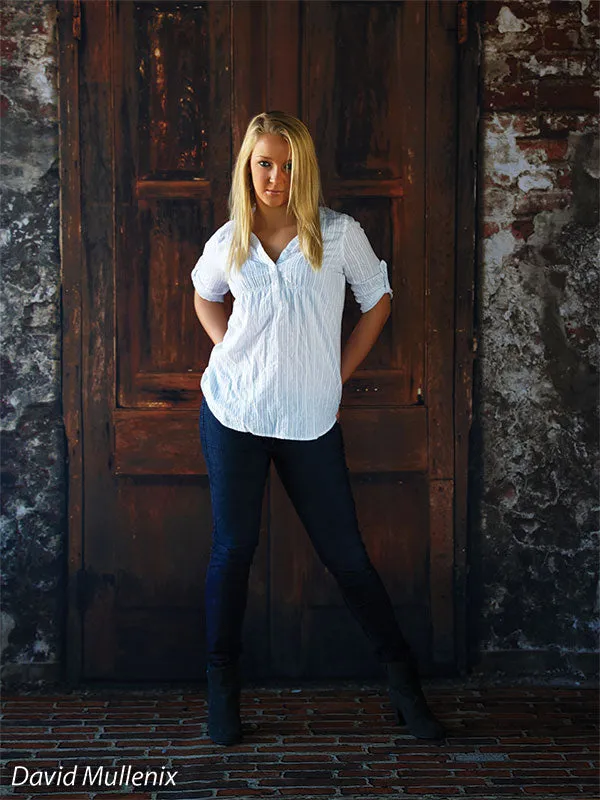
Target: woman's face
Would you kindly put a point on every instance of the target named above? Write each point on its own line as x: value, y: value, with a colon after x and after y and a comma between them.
x: 271, y: 167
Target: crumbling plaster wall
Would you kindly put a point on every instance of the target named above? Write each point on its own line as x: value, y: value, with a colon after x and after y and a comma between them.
x: 33, y: 448
x: 535, y: 470
x: 534, y: 465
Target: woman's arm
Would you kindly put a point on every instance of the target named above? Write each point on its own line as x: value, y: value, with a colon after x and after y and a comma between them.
x: 364, y: 336
x: 212, y: 317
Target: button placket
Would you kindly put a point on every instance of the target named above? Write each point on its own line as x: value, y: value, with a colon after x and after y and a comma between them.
x: 275, y: 284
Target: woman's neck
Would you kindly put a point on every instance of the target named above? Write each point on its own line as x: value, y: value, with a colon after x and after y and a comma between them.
x: 272, y: 218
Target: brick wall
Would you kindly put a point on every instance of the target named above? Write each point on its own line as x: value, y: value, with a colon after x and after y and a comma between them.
x: 534, y: 469
x: 33, y: 521
x: 535, y: 473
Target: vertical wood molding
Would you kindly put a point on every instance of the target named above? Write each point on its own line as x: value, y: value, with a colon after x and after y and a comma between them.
x: 411, y: 209
x: 466, y: 231
x: 71, y: 259
x: 96, y: 119
x: 441, y: 178
x: 440, y: 233
x: 441, y: 572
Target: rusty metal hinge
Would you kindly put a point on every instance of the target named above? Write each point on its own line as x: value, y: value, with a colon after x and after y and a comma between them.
x: 76, y: 19
x: 462, y: 27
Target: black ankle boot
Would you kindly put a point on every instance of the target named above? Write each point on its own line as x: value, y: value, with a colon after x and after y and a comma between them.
x: 224, y: 724
x: 408, y: 700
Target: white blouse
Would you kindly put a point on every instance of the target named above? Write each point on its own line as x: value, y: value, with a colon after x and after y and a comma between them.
x: 277, y: 371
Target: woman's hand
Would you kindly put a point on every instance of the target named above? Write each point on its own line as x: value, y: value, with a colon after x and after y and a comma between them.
x: 337, y: 416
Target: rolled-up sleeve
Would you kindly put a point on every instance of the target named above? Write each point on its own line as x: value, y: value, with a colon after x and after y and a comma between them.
x: 208, y: 274
x: 365, y: 272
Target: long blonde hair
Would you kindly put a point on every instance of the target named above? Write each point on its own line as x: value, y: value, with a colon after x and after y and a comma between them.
x: 305, y: 188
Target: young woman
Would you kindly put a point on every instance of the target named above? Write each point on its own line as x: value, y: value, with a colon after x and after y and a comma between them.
x: 272, y: 390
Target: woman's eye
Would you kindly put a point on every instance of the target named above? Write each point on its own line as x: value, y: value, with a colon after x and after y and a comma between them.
x: 262, y: 163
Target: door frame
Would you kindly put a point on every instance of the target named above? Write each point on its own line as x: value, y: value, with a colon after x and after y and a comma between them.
x: 73, y: 61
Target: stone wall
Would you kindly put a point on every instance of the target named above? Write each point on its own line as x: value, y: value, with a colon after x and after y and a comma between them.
x: 534, y: 469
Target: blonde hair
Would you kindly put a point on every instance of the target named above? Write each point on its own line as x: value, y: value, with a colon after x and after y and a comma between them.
x: 305, y: 188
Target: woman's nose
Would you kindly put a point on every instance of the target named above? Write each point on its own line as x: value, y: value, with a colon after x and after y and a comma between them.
x: 274, y: 175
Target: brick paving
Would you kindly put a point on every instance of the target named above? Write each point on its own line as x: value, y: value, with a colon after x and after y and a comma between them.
x: 334, y: 741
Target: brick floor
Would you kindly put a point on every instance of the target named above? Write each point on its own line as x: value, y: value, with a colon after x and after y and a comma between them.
x: 337, y: 741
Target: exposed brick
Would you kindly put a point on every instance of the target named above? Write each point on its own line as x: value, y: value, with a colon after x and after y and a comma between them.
x: 245, y: 792
x: 75, y: 796
x: 560, y: 790
x: 523, y: 96
x: 569, y: 38
x: 8, y: 47
x: 551, y: 149
x: 562, y: 8
x: 307, y: 773
x: 529, y: 41
x: 568, y: 95
x: 312, y: 757
x: 522, y: 228
x: 592, y: 12
x: 564, y: 180
x: 489, y: 229
x: 121, y: 796
x: 510, y: 73
x: 245, y: 773
x: 581, y: 64
x: 535, y: 201
x: 248, y: 758
x: 371, y: 763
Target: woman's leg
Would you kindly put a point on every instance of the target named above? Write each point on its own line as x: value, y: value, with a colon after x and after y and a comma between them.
x: 237, y: 464
x: 315, y: 476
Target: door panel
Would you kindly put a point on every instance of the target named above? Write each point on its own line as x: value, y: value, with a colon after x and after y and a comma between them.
x: 314, y: 634
x: 165, y: 92
x: 173, y: 155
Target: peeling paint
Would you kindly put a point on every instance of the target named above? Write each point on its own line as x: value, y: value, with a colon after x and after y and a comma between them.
x: 584, y: 4
x: 7, y: 624
x: 33, y: 521
x: 509, y: 23
x: 537, y: 375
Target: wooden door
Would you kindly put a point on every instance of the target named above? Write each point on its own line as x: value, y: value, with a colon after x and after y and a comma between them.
x: 156, y: 98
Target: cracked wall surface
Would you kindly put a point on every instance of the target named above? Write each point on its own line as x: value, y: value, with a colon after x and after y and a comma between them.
x: 33, y: 520
x: 535, y: 529
x: 534, y: 459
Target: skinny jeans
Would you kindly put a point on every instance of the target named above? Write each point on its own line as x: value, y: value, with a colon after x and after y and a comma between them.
x: 315, y: 476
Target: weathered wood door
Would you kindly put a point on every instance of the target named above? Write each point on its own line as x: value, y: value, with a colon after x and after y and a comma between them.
x: 156, y: 97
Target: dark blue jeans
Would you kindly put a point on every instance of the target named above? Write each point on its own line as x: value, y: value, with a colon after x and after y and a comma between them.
x: 315, y: 476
